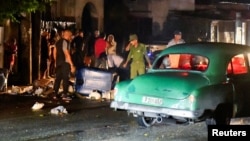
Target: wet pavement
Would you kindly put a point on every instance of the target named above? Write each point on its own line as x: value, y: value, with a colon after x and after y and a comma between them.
x: 21, y: 105
x: 20, y: 122
x: 86, y: 120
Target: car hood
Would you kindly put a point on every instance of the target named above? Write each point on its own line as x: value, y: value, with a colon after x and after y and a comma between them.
x: 175, y: 85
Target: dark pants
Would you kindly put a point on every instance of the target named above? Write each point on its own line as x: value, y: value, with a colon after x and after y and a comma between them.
x: 52, y: 68
x: 62, y: 74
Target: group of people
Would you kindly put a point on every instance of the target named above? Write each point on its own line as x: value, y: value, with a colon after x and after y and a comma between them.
x: 92, y: 49
x: 62, y: 54
x: 47, y: 65
x: 70, y: 52
x: 56, y: 60
x: 104, y: 47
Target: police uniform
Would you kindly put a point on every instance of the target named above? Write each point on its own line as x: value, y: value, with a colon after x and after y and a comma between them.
x: 137, y: 54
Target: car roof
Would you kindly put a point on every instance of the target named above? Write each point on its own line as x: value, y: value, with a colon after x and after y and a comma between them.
x: 219, y: 54
x: 208, y: 49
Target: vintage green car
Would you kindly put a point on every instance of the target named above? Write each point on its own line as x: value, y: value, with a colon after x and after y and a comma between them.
x: 190, y: 83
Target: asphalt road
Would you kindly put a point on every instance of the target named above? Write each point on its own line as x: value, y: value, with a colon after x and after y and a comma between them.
x: 87, y: 120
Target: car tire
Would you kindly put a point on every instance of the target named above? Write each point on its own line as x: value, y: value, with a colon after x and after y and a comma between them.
x: 221, y: 116
x: 146, y: 121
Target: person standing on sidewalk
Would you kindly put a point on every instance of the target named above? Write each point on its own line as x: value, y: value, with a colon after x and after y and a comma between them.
x: 100, y: 50
x: 137, y: 53
x: 177, y: 39
x: 78, y: 50
x: 175, y: 59
x: 10, y: 54
x: 64, y: 65
x: 111, y: 48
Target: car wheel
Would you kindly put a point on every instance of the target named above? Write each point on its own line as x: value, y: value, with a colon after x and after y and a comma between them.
x: 145, y: 121
x: 221, y: 116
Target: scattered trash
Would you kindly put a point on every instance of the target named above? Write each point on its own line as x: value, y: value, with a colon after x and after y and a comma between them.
x: 15, y: 89
x: 95, y: 95
x: 28, y: 89
x: 20, y: 89
x: 43, y: 87
x: 41, y: 115
x: 108, y: 95
x: 47, y: 92
x: 51, y: 84
x: 38, y: 91
x: 59, y: 110
x: 37, y: 106
x: 43, y: 83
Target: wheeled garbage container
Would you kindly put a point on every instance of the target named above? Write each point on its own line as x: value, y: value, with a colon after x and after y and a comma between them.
x: 89, y: 79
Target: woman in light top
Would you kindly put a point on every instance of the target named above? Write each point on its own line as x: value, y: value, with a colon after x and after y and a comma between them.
x: 111, y: 48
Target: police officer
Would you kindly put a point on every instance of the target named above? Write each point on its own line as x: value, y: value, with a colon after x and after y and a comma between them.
x: 137, y: 53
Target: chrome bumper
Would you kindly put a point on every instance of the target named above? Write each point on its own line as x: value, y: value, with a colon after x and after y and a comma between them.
x: 134, y: 108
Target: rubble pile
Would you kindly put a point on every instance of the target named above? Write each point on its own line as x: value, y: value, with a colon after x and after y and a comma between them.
x: 41, y: 88
x: 44, y: 88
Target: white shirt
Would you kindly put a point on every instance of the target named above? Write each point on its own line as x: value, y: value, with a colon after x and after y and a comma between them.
x: 173, y: 42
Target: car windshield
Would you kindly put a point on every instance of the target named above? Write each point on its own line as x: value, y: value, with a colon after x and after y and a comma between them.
x: 182, y: 62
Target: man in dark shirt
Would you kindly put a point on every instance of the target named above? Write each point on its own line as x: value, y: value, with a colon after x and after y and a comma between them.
x: 64, y: 64
x: 78, y: 41
x: 79, y: 51
x: 90, y: 47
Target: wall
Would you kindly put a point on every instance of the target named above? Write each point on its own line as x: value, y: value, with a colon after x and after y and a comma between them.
x: 74, y: 8
x: 158, y: 11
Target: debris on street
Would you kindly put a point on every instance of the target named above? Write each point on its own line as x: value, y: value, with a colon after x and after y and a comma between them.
x: 59, y: 110
x: 43, y: 83
x: 38, y: 91
x: 95, y: 95
x: 41, y: 88
x: 37, y: 106
x: 44, y: 88
x: 109, y: 95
